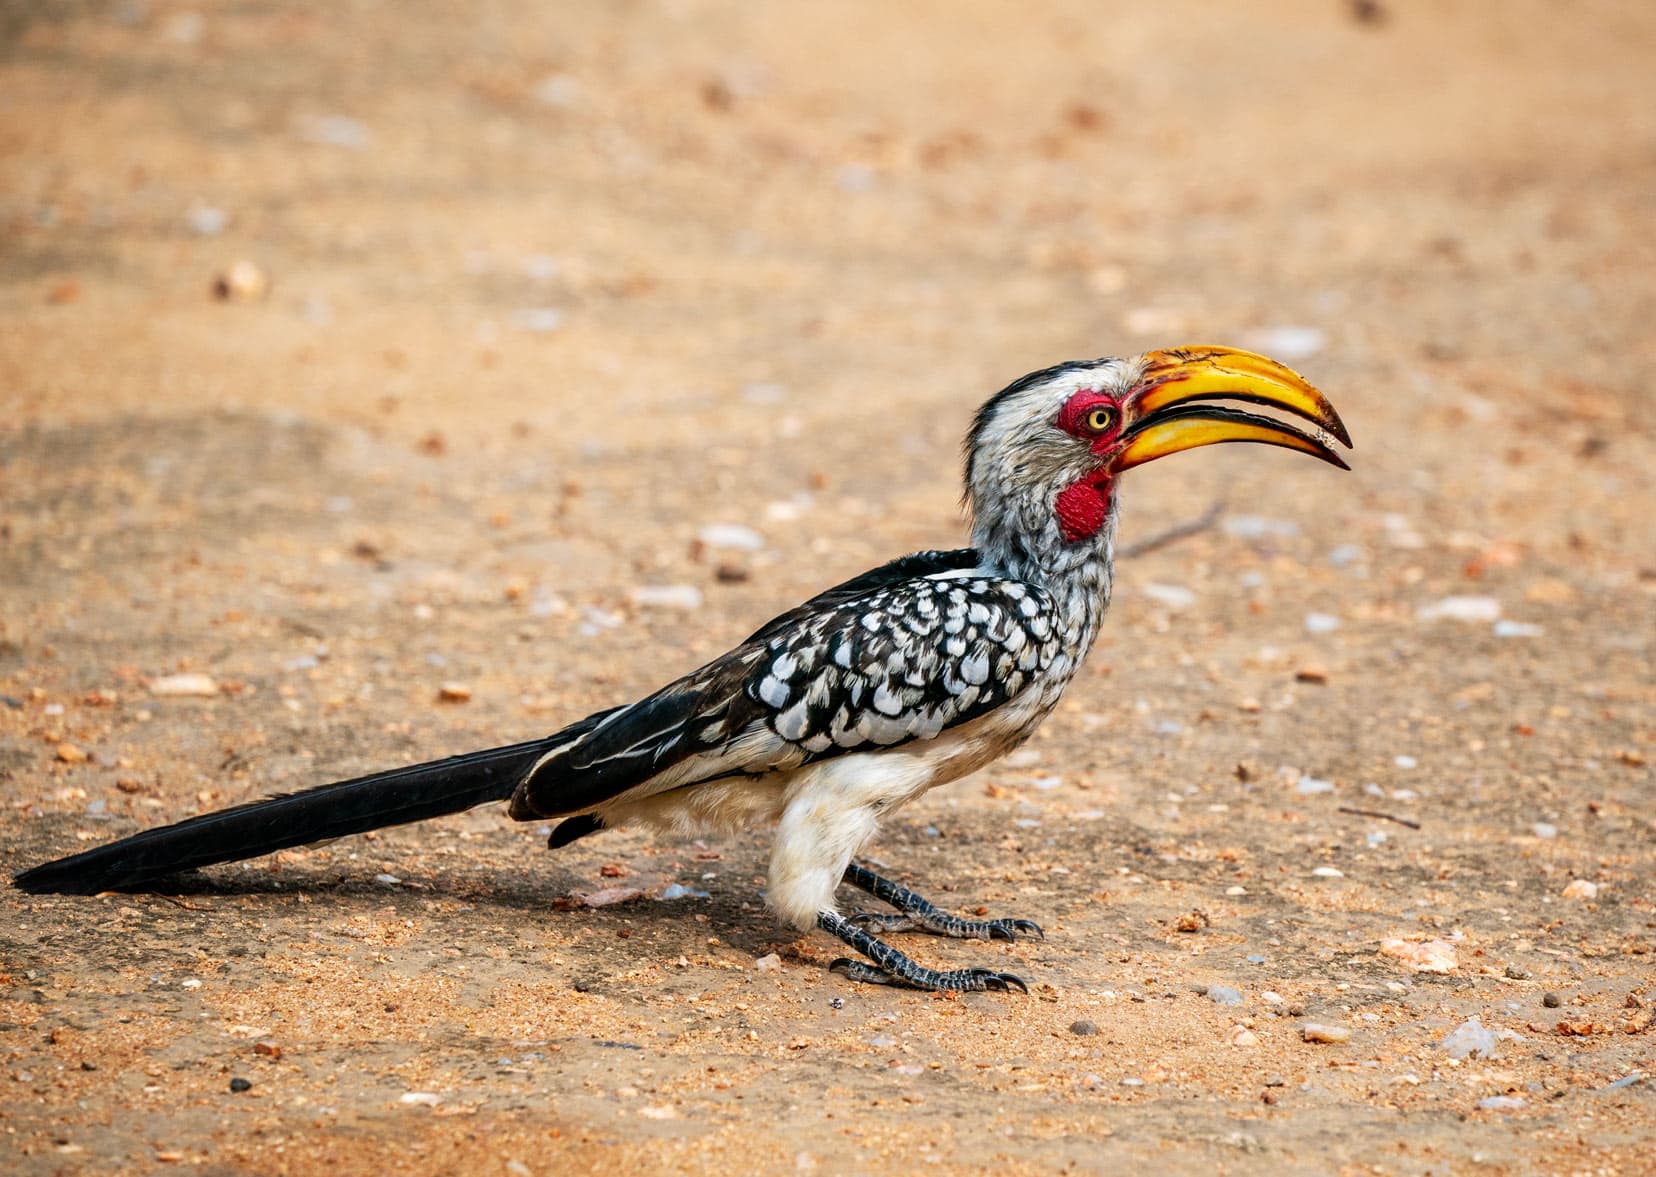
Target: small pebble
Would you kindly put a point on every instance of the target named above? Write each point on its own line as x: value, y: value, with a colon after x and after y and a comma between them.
x: 1467, y: 609
x: 1545, y: 829
x: 428, y: 1099
x: 769, y: 963
x: 1470, y: 1039
x: 1500, y: 1103
x: 1517, y: 629
x: 1169, y: 596
x: 1083, y: 1028
x: 184, y: 685
x: 1328, y: 872
x: 1132, y: 1082
x: 1517, y: 973
x: 683, y: 597
x: 1320, y: 623
x: 1431, y: 956
x: 1310, y: 786
x: 453, y: 692
x: 239, y: 1085
x: 1241, y: 1036
x: 242, y: 282
x: 1318, y: 1032
x: 1551, y: 1000
x: 731, y: 535
x: 71, y: 754
x: 1224, y: 995
x: 1581, y: 889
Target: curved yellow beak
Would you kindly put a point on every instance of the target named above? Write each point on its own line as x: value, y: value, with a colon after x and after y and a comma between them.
x: 1170, y: 409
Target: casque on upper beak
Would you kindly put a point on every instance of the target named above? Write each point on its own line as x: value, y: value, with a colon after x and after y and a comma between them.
x: 1169, y: 409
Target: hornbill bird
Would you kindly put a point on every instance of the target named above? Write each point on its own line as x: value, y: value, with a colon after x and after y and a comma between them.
x: 838, y: 711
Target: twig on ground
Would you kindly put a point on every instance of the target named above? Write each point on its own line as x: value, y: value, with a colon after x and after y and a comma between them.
x: 1402, y: 821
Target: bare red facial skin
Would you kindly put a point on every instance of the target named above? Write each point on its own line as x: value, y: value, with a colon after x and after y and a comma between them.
x: 1072, y: 418
x: 1084, y: 505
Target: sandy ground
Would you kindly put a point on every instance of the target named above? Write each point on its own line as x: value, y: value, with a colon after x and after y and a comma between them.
x: 532, y: 295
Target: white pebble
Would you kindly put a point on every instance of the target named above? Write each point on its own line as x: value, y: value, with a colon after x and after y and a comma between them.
x: 1470, y: 1039
x: 1310, y: 785
x: 1430, y: 956
x: 731, y: 535
x: 427, y: 1099
x: 1581, y: 889
x: 769, y: 963
x: 1170, y: 596
x: 181, y: 685
x: 1318, y: 1032
x: 1517, y: 629
x: 1328, y: 872
x: 1316, y: 623
x: 1405, y: 761
x: 1545, y: 829
x: 666, y: 596
x: 1467, y: 609
x: 1500, y: 1103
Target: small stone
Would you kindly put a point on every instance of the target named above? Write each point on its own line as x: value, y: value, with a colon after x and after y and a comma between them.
x: 660, y: 1111
x: 1544, y: 829
x: 184, y: 686
x: 1328, y: 872
x: 1517, y: 629
x: 1470, y: 1039
x: 606, y: 896
x: 769, y: 963
x: 1192, y: 921
x: 1467, y: 609
x: 1310, y: 786
x: 1517, y: 973
x: 88, y: 1065
x: 1236, y: 889
x: 731, y: 535
x: 683, y: 597
x: 1551, y: 1000
x: 267, y: 1049
x: 426, y: 1099
x: 242, y: 282
x: 1311, y: 674
x: 239, y: 1085
x: 1169, y: 596
x: 1581, y: 889
x: 453, y: 692
x: 1224, y: 995
x: 1083, y: 1028
x: 1318, y: 1032
x: 1321, y: 623
x: 1241, y: 1036
x: 1500, y: 1103
x: 1430, y: 956
x: 71, y: 754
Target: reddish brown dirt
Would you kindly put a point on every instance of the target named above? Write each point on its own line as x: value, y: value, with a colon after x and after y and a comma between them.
x: 787, y: 250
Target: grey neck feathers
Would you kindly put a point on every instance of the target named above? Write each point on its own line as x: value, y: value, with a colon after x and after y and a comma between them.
x: 1019, y: 537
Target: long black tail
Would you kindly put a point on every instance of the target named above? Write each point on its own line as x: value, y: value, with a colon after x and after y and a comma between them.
x: 294, y: 819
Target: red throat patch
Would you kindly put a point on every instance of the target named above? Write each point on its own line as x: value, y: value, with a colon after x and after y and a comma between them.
x: 1082, y: 507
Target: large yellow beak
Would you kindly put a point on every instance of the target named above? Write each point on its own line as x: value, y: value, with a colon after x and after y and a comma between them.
x: 1166, y: 416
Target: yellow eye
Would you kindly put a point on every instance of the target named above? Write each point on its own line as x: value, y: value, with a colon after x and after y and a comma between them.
x: 1100, y: 419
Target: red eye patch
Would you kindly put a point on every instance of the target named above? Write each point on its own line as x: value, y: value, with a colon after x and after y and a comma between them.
x: 1077, y: 417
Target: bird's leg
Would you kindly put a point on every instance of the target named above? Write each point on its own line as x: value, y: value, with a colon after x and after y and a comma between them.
x: 919, y: 915
x: 892, y: 967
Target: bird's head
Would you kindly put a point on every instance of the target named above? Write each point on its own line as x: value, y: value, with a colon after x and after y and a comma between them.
x: 1044, y: 453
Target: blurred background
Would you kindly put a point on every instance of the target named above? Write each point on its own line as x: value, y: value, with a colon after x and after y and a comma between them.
x: 378, y: 380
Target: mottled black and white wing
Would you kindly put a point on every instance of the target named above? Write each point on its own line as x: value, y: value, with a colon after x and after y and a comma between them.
x: 899, y: 654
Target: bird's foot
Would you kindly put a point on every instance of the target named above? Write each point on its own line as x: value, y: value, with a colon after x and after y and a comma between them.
x: 891, y: 967
x: 918, y: 915
x: 942, y: 924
